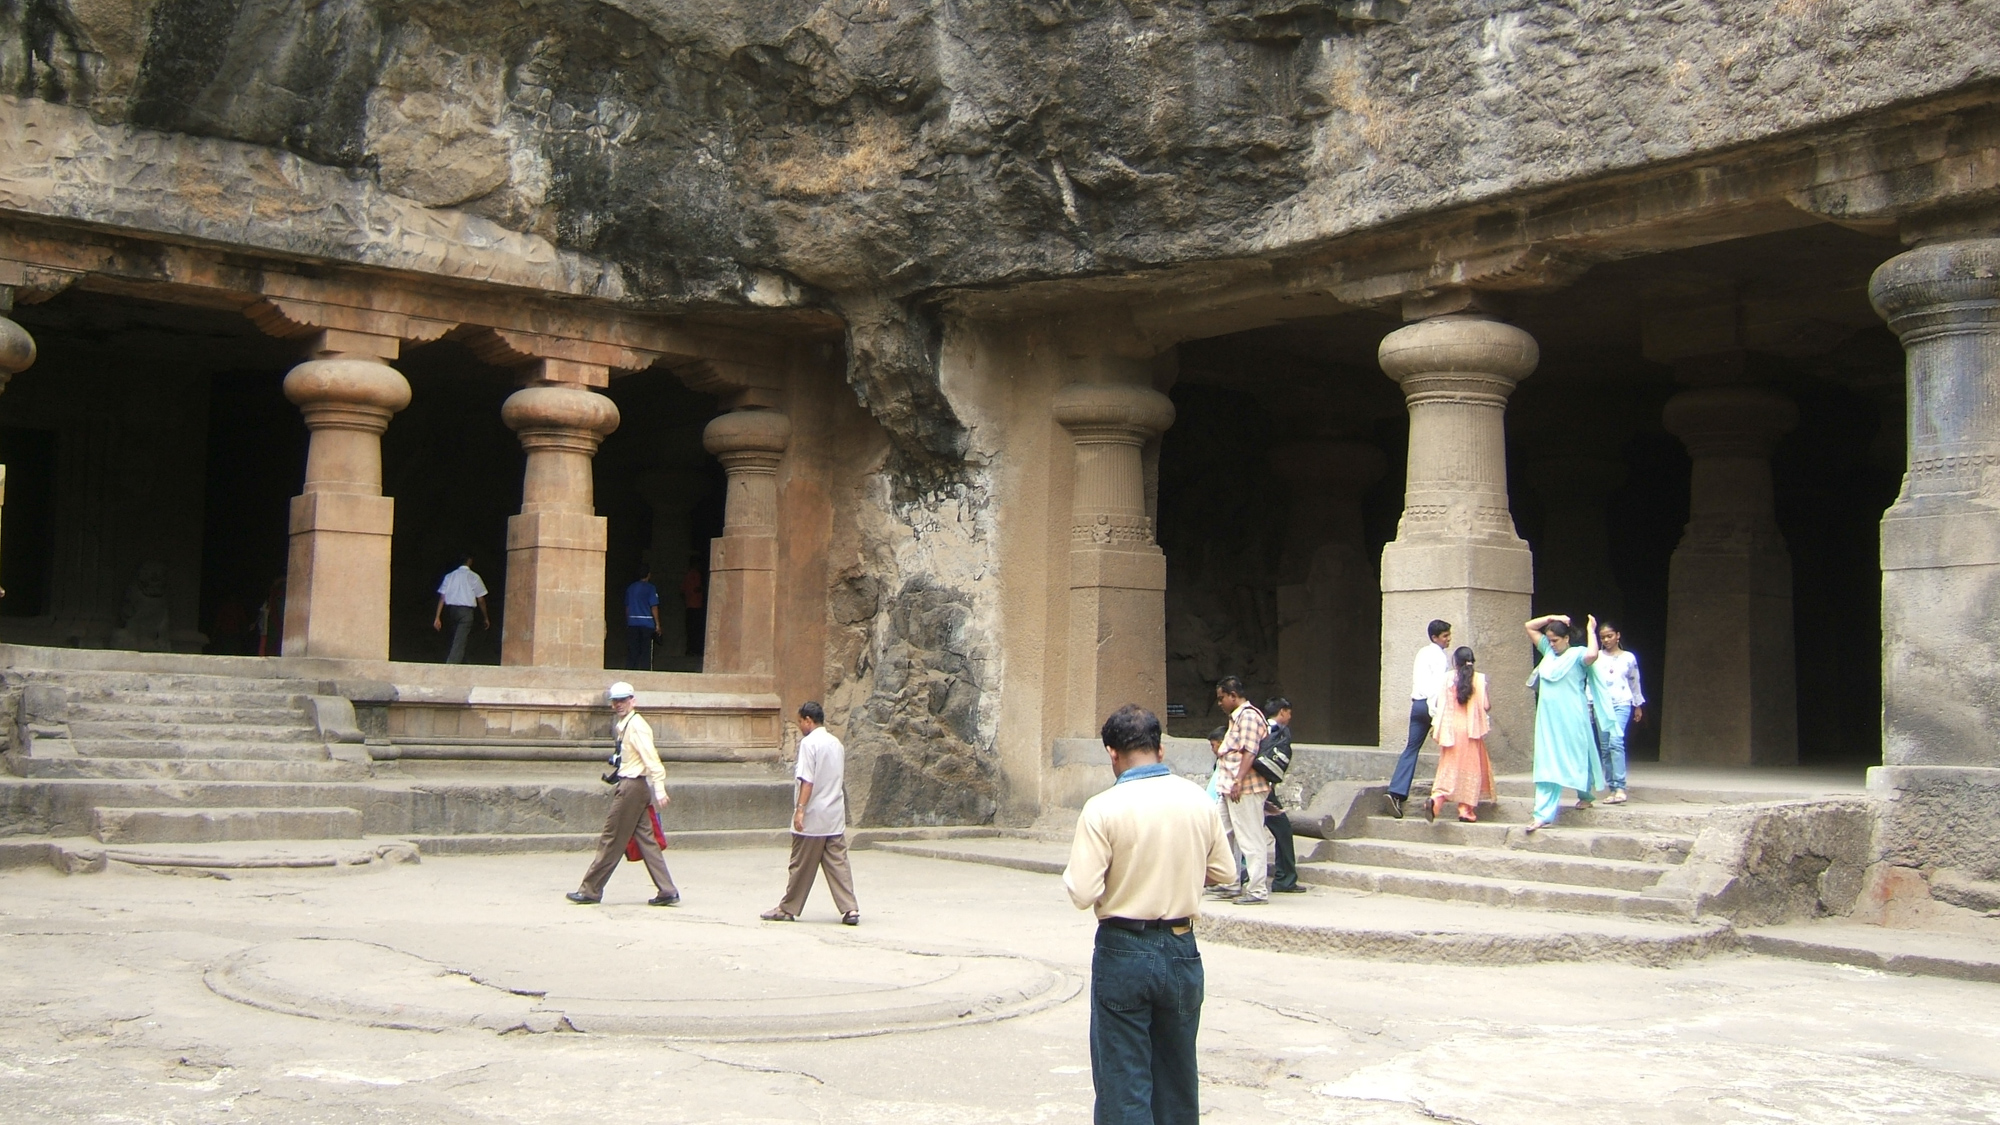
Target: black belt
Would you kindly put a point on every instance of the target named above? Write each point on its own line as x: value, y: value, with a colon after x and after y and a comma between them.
x: 1140, y: 925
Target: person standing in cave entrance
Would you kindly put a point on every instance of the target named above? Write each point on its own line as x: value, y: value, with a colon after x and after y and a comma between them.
x: 1244, y: 789
x: 1624, y: 703
x: 694, y: 603
x: 461, y: 591
x: 1274, y: 757
x: 642, y: 621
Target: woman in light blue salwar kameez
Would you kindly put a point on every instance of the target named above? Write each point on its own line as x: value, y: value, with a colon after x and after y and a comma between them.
x: 1565, y: 742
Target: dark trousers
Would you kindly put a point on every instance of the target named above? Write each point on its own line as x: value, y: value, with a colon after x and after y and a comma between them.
x: 639, y: 647
x: 1145, y: 1010
x: 1280, y: 826
x: 1406, y: 763
x: 629, y: 803
x: 459, y: 618
x: 810, y: 856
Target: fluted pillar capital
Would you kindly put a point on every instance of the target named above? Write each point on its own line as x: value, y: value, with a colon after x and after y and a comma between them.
x: 559, y: 418
x: 1115, y: 412
x: 347, y: 393
x: 1461, y: 358
x: 1939, y: 288
x: 751, y: 440
x: 1729, y: 421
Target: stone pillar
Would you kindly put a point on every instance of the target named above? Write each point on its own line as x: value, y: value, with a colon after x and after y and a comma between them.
x: 743, y: 562
x: 555, y: 547
x: 1941, y: 562
x: 1456, y: 555
x: 17, y: 354
x: 1573, y: 559
x: 1729, y: 692
x: 1117, y: 572
x: 337, y: 578
x: 1329, y: 606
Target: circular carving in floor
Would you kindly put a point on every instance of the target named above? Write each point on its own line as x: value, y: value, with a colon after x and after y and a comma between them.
x: 762, y: 988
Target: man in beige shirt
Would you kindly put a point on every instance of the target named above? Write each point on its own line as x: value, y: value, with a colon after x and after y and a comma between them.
x: 641, y: 784
x: 1143, y: 850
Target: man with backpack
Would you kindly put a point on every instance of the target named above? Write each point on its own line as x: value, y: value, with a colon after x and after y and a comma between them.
x: 1274, y: 757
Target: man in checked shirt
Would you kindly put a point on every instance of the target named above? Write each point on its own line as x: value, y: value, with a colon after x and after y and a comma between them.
x: 1243, y: 789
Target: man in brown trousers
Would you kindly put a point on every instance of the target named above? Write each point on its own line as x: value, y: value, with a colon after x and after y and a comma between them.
x: 641, y: 785
x: 819, y: 823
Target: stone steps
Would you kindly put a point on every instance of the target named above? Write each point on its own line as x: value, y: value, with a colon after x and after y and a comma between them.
x: 1517, y: 893
x: 165, y: 729
x: 1638, y: 846
x: 120, y: 711
x: 117, y: 825
x: 1497, y: 863
x: 312, y: 751
x: 188, y: 769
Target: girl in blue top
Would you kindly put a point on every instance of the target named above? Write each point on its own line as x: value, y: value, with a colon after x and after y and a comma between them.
x: 1565, y: 743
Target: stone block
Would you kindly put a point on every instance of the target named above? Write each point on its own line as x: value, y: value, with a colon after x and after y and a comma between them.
x: 216, y: 825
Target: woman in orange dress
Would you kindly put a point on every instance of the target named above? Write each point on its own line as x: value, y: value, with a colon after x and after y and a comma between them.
x: 1465, y: 775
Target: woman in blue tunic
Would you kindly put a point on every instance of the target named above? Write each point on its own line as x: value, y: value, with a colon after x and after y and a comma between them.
x: 1565, y: 743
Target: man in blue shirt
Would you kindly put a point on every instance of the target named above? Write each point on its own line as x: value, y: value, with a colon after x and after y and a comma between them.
x: 642, y: 621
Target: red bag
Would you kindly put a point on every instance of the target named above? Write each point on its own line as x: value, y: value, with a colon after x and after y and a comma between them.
x: 659, y: 835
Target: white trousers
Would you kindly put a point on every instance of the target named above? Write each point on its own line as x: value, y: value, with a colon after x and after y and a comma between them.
x: 1252, y: 840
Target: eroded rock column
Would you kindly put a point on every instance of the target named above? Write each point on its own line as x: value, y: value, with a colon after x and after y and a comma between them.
x: 555, y: 546
x: 1729, y: 691
x: 1329, y: 605
x: 1117, y: 572
x: 337, y: 577
x: 743, y: 561
x: 1456, y: 555
x: 1941, y: 561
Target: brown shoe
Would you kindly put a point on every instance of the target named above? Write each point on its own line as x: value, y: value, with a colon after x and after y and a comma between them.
x: 778, y: 914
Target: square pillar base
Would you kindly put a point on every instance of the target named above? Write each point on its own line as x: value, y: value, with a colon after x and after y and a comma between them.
x: 742, y: 605
x: 1485, y: 590
x: 1939, y: 817
x: 1731, y: 675
x: 1940, y: 586
x: 337, y: 576
x: 555, y: 590
x: 1117, y: 634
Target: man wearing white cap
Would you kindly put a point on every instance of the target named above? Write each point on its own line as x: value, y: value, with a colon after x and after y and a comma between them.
x: 641, y: 785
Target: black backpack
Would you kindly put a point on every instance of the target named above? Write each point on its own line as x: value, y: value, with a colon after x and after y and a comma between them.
x: 1274, y: 754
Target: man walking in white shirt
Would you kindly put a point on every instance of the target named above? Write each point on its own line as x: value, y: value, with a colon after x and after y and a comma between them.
x: 641, y: 787
x: 819, y: 824
x: 1143, y: 849
x: 1427, y: 674
x: 458, y: 594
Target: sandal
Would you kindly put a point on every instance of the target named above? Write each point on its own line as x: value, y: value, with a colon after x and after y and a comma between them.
x: 851, y: 918
x: 1585, y: 806
x: 1538, y: 826
x: 1617, y: 798
x: 1431, y: 810
x: 778, y: 914
x: 1467, y: 816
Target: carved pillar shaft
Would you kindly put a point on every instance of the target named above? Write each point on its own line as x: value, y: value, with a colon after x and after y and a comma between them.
x: 555, y: 547
x: 1729, y: 691
x: 743, y: 561
x: 1941, y: 538
x: 1329, y: 607
x: 1456, y: 555
x: 1118, y: 574
x: 337, y: 577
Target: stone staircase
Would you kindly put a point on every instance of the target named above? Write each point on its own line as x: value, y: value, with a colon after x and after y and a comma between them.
x: 1628, y: 860
x: 167, y: 768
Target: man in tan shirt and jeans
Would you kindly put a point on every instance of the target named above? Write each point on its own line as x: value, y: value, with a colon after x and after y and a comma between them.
x: 1143, y: 850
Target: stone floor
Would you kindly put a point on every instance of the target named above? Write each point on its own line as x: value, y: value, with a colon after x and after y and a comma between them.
x: 444, y: 992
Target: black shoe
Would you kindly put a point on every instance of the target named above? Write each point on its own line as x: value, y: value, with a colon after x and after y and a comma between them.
x: 1294, y: 889
x: 1396, y: 806
x: 664, y: 900
x: 581, y: 899
x: 1431, y: 809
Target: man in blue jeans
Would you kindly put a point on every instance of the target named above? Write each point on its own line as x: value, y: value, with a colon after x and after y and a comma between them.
x: 1427, y: 674
x: 1143, y: 850
x: 642, y: 621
